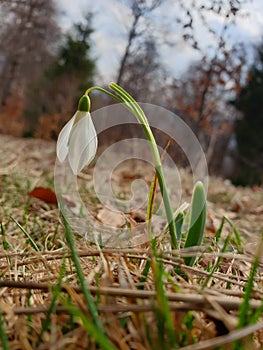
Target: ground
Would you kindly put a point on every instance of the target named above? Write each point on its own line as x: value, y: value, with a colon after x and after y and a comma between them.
x: 33, y: 245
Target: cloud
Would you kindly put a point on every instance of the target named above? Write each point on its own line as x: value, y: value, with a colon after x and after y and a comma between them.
x: 112, y: 20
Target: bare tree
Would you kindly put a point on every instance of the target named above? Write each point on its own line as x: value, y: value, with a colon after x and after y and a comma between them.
x: 203, y: 93
x: 139, y: 9
x: 188, y: 16
x: 28, y: 31
x: 143, y: 70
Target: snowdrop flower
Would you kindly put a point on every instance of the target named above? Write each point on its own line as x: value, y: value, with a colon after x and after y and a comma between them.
x: 77, y: 140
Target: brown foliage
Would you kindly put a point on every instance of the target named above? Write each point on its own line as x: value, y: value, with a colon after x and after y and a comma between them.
x: 13, y: 122
x: 49, y: 126
x: 10, y: 117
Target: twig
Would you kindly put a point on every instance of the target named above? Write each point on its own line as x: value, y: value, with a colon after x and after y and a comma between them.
x: 197, y: 300
x: 225, y: 339
x: 112, y: 308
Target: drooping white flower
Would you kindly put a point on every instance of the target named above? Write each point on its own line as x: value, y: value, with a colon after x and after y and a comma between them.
x: 78, y: 140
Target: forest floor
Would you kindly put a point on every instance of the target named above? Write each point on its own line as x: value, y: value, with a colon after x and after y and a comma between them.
x: 33, y: 248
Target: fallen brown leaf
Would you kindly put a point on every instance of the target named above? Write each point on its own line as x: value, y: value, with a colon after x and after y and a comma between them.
x: 44, y: 194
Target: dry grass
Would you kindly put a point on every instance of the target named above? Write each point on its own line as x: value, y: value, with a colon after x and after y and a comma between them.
x: 204, y: 318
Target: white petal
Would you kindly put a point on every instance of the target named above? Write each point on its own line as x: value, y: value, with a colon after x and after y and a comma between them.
x: 83, y: 144
x: 63, y: 139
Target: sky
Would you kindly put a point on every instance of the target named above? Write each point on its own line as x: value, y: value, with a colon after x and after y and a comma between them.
x: 112, y: 20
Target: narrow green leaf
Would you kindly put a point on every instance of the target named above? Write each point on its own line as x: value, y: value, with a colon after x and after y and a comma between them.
x: 197, y: 220
x: 31, y: 241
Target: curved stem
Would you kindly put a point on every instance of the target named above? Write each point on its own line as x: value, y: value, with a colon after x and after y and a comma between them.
x: 132, y: 105
x: 93, y: 88
x: 141, y: 117
x: 124, y: 102
x: 127, y: 97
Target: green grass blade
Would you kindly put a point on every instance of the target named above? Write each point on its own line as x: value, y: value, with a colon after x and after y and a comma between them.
x: 147, y: 266
x: 167, y: 205
x: 88, y: 298
x: 245, y: 310
x: 31, y: 241
x: 4, y: 241
x: 3, y: 335
x: 237, y: 234
x: 51, y: 309
x: 245, y: 313
x: 100, y: 338
x: 150, y: 204
x: 218, y: 262
x: 145, y: 273
x: 257, y: 314
x: 179, y: 220
x: 220, y: 229
x: 162, y: 312
x: 197, y: 220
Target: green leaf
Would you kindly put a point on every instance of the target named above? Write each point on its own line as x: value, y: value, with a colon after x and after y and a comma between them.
x: 197, y: 220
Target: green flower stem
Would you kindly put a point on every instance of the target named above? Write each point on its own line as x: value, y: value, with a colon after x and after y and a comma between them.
x: 139, y: 114
x: 130, y: 103
x: 93, y: 88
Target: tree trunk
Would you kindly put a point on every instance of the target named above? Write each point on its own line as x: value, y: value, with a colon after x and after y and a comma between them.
x: 132, y: 35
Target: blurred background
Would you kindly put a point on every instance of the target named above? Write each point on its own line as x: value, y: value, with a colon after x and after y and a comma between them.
x: 201, y: 59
